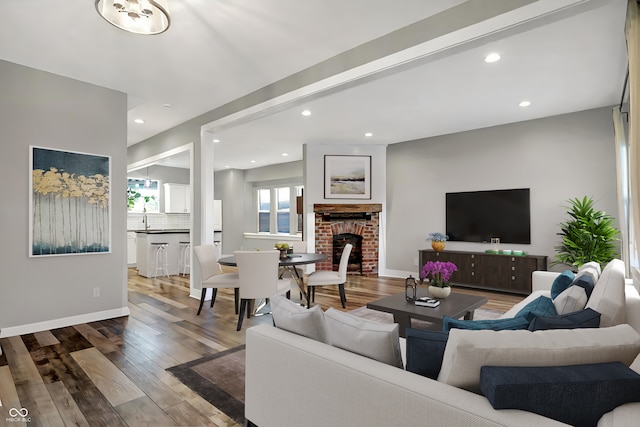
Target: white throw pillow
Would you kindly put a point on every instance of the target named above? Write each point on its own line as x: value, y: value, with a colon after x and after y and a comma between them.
x: 608, y: 297
x: 467, y: 351
x: 379, y: 341
x: 574, y: 298
x: 291, y: 317
x: 592, y: 268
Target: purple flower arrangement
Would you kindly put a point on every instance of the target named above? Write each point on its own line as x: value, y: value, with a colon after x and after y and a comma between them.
x: 439, y: 273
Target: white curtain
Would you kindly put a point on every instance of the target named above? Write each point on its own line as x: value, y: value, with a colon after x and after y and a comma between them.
x: 632, y: 30
x: 622, y: 171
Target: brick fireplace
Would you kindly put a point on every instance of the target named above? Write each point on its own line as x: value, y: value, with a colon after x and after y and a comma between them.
x: 346, y: 222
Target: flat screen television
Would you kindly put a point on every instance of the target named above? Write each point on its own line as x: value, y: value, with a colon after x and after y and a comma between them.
x: 477, y: 216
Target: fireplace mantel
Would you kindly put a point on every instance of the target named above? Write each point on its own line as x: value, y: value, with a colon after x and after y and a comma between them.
x: 347, y: 208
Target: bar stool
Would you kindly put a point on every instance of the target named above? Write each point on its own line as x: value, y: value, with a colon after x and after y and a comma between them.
x: 160, y: 259
x: 185, y: 259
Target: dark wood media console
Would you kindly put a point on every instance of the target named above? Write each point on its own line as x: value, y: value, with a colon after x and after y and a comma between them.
x: 506, y: 273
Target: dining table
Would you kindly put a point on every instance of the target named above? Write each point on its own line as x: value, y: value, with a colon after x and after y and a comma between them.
x: 289, y: 264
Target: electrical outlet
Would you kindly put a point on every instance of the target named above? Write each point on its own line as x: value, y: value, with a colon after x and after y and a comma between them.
x: 415, y: 261
x: 96, y: 292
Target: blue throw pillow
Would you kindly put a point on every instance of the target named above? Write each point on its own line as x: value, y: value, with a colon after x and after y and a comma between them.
x: 578, y: 395
x: 587, y: 318
x: 449, y: 323
x: 425, y: 350
x: 585, y: 281
x: 541, y: 306
x: 562, y: 282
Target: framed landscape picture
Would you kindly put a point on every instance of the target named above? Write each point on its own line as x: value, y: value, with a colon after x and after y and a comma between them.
x: 70, y: 203
x: 347, y: 177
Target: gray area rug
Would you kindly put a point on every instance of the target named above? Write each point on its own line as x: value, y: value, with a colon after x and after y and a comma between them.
x: 217, y: 378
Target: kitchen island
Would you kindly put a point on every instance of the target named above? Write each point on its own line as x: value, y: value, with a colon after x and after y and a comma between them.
x: 145, y: 251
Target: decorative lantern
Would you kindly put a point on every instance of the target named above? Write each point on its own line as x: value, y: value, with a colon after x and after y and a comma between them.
x: 410, y: 288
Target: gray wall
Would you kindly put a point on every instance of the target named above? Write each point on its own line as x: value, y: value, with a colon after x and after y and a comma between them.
x: 38, y: 108
x: 229, y: 187
x: 558, y: 158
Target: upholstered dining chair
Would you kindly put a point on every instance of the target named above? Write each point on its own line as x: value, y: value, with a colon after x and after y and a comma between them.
x: 258, y: 278
x: 212, y: 276
x: 323, y: 277
x: 298, y: 247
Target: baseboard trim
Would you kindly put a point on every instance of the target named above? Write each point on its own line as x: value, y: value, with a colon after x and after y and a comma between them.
x: 398, y: 273
x: 13, y: 331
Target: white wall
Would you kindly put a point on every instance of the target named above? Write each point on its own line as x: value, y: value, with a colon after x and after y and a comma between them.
x: 314, y: 185
x: 38, y: 108
x: 558, y: 158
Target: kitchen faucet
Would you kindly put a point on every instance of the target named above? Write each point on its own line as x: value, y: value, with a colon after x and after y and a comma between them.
x: 145, y: 221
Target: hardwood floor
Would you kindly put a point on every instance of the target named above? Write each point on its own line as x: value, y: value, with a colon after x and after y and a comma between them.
x: 112, y: 372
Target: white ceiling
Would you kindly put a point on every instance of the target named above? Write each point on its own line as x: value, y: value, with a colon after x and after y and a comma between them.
x: 217, y: 51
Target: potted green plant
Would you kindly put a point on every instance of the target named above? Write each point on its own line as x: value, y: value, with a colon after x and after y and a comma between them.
x: 132, y: 195
x: 588, y: 235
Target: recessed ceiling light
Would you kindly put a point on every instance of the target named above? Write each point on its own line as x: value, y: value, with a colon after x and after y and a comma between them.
x: 167, y: 105
x: 253, y: 161
x: 524, y: 103
x: 492, y: 57
x: 139, y: 121
x: 285, y: 154
x: 227, y: 166
x: 216, y: 140
x: 368, y: 134
x: 306, y: 113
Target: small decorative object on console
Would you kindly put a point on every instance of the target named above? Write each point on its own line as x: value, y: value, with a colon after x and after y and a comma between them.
x: 410, y: 288
x: 437, y: 240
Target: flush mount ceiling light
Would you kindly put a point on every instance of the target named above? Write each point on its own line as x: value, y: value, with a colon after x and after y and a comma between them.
x: 136, y: 16
x: 492, y: 57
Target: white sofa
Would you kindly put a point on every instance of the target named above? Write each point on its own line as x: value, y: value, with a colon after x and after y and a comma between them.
x: 292, y: 380
x: 541, y: 286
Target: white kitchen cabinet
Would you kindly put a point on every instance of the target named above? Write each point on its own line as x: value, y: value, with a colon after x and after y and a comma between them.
x: 131, y: 248
x: 177, y: 198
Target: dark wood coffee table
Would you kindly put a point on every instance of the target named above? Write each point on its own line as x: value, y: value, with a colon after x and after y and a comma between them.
x: 455, y: 305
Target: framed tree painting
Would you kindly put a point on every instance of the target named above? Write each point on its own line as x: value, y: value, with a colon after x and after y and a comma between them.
x: 70, y: 203
x: 347, y: 177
